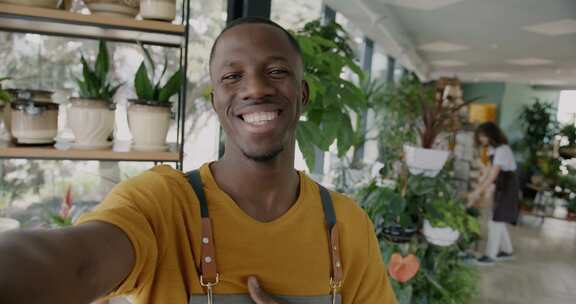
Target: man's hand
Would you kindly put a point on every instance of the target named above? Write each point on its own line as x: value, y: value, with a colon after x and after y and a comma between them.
x: 257, y: 294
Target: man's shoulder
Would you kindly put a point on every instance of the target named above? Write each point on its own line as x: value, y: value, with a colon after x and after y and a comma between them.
x: 347, y: 209
x: 161, y: 177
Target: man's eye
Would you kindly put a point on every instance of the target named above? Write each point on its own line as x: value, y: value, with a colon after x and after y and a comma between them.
x: 278, y: 72
x: 231, y: 77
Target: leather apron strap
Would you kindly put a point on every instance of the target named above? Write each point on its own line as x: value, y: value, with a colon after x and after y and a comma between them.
x: 210, y: 276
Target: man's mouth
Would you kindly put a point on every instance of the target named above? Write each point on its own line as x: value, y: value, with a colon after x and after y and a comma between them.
x: 260, y: 118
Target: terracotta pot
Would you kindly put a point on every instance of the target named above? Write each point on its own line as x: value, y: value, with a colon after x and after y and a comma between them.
x: 149, y: 126
x: 164, y: 10
x: 38, y: 3
x: 92, y: 122
x: 114, y: 8
x: 427, y: 162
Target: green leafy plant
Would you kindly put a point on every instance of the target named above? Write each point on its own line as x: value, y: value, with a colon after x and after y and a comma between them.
x: 327, y: 119
x: 156, y: 93
x: 4, y: 96
x: 539, y: 125
x: 95, y: 83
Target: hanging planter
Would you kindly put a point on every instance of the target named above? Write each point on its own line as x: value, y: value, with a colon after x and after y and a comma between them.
x: 149, y: 124
x: 440, y: 236
x: 92, y: 122
x: 427, y: 162
x: 164, y: 10
x: 114, y: 8
x: 7, y: 224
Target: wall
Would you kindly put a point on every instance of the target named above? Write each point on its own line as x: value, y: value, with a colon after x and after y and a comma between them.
x: 510, y: 98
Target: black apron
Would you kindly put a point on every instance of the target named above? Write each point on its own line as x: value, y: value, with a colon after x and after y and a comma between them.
x: 506, y: 197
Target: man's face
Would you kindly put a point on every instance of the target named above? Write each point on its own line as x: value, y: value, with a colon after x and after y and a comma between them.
x: 259, y: 90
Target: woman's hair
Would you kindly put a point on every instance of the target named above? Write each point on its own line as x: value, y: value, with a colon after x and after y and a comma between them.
x: 495, y: 136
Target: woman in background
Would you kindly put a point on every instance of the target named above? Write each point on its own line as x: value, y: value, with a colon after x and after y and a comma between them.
x: 506, y: 196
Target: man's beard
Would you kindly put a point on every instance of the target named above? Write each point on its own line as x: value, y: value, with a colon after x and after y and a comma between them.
x: 266, y: 157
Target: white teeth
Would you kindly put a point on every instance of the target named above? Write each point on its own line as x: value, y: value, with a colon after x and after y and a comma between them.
x: 260, y: 118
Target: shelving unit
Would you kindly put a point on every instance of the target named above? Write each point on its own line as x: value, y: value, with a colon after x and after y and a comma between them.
x: 48, y: 152
x: 25, y: 19
x: 54, y: 22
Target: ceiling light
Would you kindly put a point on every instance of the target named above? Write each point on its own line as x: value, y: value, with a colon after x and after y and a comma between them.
x: 442, y: 46
x: 556, y: 28
x: 494, y: 75
x: 448, y: 63
x: 530, y: 61
x: 426, y: 5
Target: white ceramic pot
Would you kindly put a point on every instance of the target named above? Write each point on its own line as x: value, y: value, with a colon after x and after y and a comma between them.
x: 7, y: 224
x: 443, y: 237
x: 92, y: 122
x: 114, y: 8
x: 38, y: 3
x: 427, y: 162
x: 158, y: 9
x: 149, y: 126
x: 34, y: 122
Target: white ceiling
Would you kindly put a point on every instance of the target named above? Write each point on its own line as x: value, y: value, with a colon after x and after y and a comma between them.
x: 523, y: 41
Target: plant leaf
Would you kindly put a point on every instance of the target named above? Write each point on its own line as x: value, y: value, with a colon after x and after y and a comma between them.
x: 148, y: 59
x: 102, y: 62
x: 172, y: 87
x: 304, y: 136
x: 142, y: 83
x: 345, y: 135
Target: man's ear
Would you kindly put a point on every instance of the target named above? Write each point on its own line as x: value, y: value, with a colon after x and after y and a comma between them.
x: 305, y: 93
x: 212, y: 100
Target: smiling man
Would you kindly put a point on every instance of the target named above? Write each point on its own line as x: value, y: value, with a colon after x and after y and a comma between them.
x: 248, y: 228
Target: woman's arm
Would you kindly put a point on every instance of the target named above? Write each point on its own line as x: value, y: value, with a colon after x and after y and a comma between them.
x: 487, y: 181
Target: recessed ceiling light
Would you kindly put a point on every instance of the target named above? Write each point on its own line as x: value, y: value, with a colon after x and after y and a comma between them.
x: 556, y: 28
x: 550, y: 82
x: 442, y: 46
x: 426, y: 5
x: 494, y: 75
x: 530, y: 61
x: 448, y: 63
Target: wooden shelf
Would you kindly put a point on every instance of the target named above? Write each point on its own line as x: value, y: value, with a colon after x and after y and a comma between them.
x: 49, y: 152
x: 26, y: 19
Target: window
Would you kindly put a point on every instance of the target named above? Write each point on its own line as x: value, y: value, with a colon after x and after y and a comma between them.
x: 567, y: 107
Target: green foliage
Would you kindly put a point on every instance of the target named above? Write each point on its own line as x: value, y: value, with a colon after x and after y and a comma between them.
x: 94, y: 83
x: 539, y: 126
x: 327, y: 55
x: 4, y: 96
x: 156, y: 93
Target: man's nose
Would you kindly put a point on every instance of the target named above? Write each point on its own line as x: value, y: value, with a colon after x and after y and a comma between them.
x: 257, y: 87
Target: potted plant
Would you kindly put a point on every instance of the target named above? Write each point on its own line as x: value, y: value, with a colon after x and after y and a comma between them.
x: 114, y: 8
x: 149, y: 115
x: 445, y: 220
x: 164, y: 10
x: 5, y: 99
x: 91, y: 116
x: 435, y: 110
x: 569, y: 132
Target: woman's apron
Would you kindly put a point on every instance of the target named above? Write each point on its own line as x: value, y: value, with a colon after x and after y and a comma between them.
x: 506, y: 198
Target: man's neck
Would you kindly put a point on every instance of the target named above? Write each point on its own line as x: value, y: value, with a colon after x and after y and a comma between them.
x: 264, y: 190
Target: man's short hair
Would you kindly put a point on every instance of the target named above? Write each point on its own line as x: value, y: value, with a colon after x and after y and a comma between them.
x: 256, y: 20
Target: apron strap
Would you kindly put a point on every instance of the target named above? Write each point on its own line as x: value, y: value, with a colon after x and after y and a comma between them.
x: 210, y: 276
x: 333, y: 239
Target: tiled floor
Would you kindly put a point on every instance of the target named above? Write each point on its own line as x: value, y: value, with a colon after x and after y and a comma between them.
x: 544, y: 271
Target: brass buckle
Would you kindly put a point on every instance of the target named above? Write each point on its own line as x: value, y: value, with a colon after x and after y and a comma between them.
x: 209, y: 284
x: 335, y: 285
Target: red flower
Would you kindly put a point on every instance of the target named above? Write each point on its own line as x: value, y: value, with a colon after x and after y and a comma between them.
x: 402, y: 269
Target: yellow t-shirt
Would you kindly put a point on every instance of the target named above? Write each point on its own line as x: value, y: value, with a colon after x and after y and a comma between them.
x: 160, y: 214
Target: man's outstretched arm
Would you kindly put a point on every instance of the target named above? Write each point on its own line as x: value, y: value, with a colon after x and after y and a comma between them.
x: 72, y: 265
